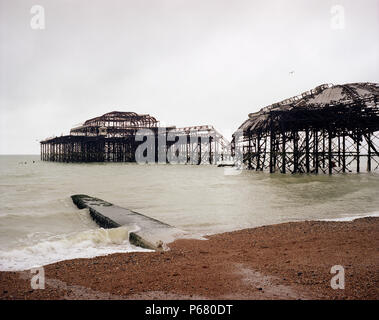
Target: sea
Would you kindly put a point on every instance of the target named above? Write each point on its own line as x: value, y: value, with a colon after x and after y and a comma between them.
x: 40, y: 225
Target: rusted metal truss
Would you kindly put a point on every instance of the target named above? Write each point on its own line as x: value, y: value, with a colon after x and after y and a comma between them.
x: 307, y: 136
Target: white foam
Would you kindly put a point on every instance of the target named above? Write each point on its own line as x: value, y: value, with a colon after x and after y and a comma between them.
x: 352, y: 218
x: 84, y: 244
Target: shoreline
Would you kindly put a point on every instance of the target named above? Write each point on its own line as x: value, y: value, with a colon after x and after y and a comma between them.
x: 283, y: 261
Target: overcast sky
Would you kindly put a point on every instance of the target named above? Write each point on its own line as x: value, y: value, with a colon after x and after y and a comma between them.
x: 186, y: 62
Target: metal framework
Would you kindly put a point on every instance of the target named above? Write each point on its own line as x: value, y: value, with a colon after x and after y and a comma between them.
x: 115, y: 124
x: 198, y: 145
x: 112, y: 137
x: 330, y: 129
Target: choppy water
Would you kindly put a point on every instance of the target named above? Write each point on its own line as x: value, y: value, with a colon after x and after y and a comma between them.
x: 40, y: 225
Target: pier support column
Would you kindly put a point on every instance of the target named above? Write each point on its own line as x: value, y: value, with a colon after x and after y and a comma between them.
x: 272, y: 150
x: 344, y: 152
x: 368, y: 152
x: 358, y: 150
x: 307, y: 151
x: 315, y: 148
x: 210, y: 150
x: 258, y: 153
x: 199, y: 150
x: 249, y: 152
x: 295, y: 152
x: 323, y: 148
x: 330, y: 162
x: 284, y: 152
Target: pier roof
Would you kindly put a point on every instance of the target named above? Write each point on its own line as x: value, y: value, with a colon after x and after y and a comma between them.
x: 324, y: 106
x: 120, y: 116
x: 115, y: 123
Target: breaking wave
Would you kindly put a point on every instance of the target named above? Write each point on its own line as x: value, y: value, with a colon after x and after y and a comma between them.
x: 352, y: 218
x: 84, y: 244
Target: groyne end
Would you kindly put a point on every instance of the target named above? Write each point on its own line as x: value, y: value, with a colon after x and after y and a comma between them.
x: 149, y: 233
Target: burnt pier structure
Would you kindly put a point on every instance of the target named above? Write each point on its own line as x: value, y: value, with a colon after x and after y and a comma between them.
x: 116, y: 136
x: 330, y: 129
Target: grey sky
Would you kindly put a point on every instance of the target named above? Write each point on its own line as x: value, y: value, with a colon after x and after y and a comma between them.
x: 187, y: 62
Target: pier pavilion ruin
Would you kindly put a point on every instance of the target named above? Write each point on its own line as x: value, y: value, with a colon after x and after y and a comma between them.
x: 330, y: 129
x: 112, y: 137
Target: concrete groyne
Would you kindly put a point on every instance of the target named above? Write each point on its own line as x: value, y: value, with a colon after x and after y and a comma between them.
x: 149, y: 233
